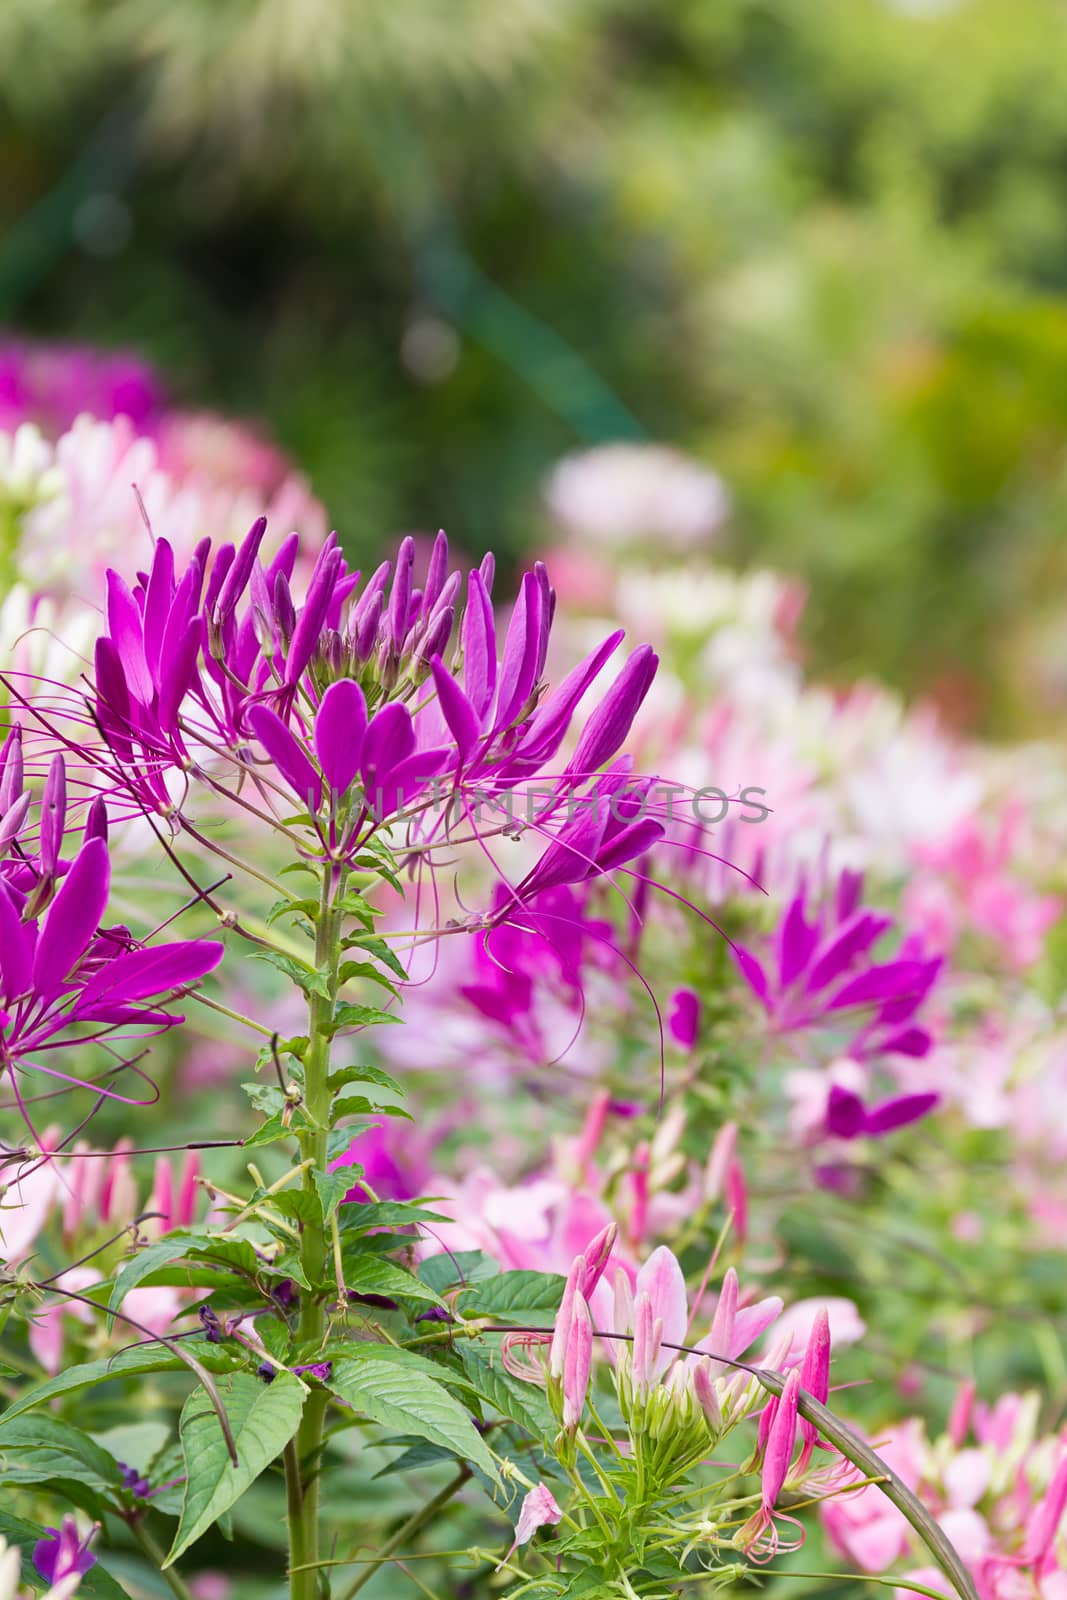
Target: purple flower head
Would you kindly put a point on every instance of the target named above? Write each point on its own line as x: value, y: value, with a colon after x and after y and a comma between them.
x: 66, y: 979
x: 316, y: 1369
x: 64, y: 1552
x: 823, y: 974
x: 353, y: 693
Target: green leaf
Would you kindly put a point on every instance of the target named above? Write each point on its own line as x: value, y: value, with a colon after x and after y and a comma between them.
x: 382, y: 951
x: 367, y: 970
x: 127, y: 1364
x: 349, y: 1350
x: 332, y: 1188
x: 522, y: 1403
x: 38, y: 1449
x: 273, y: 1130
x: 460, y: 1267
x: 372, y: 1275
x: 358, y: 1105
x: 411, y: 1402
x: 143, y: 1264
x: 347, y: 1015
x: 263, y: 1418
x: 388, y: 1214
x: 307, y: 978
x: 513, y: 1292
x: 364, y: 1074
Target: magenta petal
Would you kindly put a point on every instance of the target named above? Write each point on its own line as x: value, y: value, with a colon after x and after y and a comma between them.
x: 753, y: 973
x: 797, y: 939
x: 463, y: 721
x: 896, y: 981
x: 15, y: 958
x: 403, y: 782
x: 899, y: 1111
x: 613, y: 718
x: 572, y: 855
x: 518, y: 664
x: 627, y: 843
x: 549, y: 726
x: 158, y: 598
x: 177, y: 672
x: 287, y: 754
x: 836, y: 954
x: 73, y: 917
x: 846, y: 1117
x: 684, y: 1019
x: 340, y: 727
x: 914, y: 1042
x: 125, y: 628
x: 53, y: 814
x: 478, y: 639
x: 155, y: 971
x: 390, y: 739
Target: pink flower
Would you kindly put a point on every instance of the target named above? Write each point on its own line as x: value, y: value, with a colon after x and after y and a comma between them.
x: 538, y: 1510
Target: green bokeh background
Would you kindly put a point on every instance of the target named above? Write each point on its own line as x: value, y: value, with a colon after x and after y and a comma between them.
x: 821, y: 244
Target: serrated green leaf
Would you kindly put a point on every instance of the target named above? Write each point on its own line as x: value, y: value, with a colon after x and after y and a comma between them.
x: 382, y: 951
x: 522, y: 1403
x: 459, y: 1268
x: 273, y: 1130
x: 357, y: 1105
x: 307, y: 978
x: 142, y: 1265
x: 332, y: 1188
x: 514, y: 1292
x: 370, y: 973
x: 300, y: 1204
x: 364, y: 1074
x: 263, y: 1418
x: 411, y: 1402
x: 40, y: 1449
x: 415, y: 1457
x: 347, y: 1015
x: 357, y: 1218
x: 127, y: 1364
x: 372, y: 1275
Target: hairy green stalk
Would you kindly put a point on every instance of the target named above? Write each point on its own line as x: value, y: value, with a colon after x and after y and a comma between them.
x: 302, y: 1460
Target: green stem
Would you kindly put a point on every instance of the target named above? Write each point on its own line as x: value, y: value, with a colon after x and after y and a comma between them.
x: 302, y: 1462
x: 411, y: 1527
x: 157, y: 1557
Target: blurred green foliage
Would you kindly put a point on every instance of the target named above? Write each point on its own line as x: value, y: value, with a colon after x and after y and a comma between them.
x: 820, y: 243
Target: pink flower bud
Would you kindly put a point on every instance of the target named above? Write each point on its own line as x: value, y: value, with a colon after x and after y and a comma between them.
x: 781, y: 1438
x: 578, y: 1362
x: 561, y: 1329
x: 703, y: 1387
x: 596, y: 1255
x: 719, y: 1162
x: 737, y: 1199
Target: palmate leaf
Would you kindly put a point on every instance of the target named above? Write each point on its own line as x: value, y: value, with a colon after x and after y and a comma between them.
x: 408, y: 1401
x: 263, y: 1418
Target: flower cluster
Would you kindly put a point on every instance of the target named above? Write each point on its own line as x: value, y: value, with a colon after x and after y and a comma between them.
x: 997, y: 1486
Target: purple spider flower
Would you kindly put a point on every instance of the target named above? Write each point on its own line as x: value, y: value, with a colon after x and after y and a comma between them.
x: 64, y: 1552
x: 824, y: 973
x: 65, y: 979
